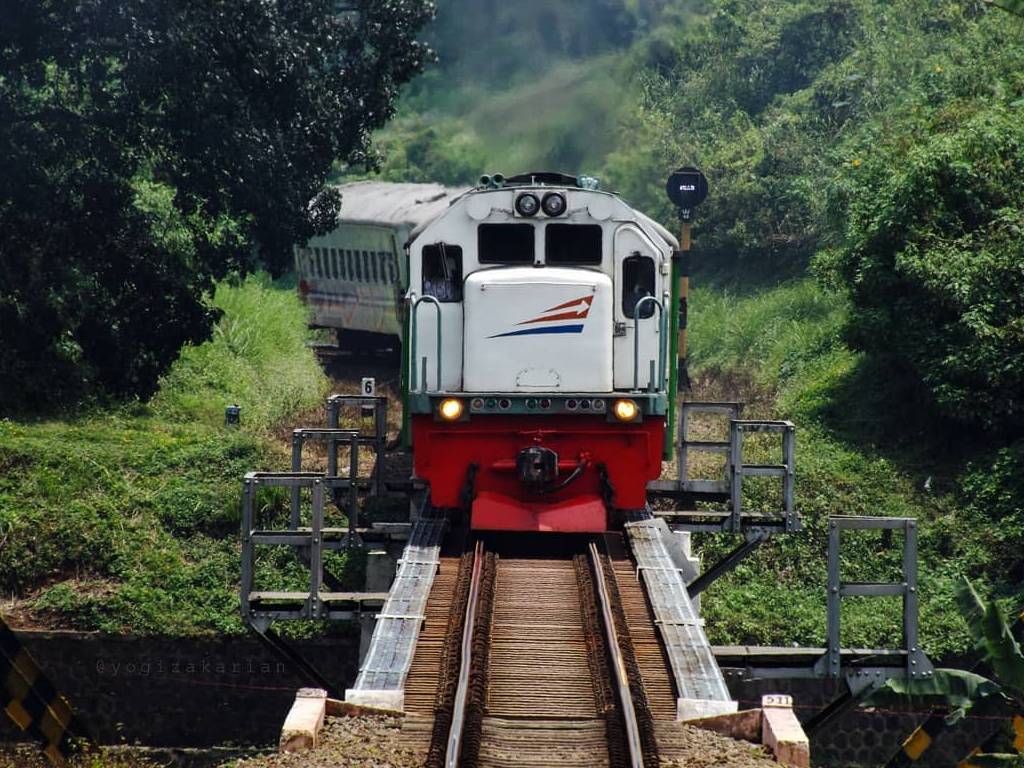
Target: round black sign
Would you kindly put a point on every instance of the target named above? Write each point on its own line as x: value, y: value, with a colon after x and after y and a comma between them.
x: 687, y: 188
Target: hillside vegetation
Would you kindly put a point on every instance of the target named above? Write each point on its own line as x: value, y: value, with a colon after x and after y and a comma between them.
x: 150, y: 149
x: 782, y: 350
x: 859, y: 262
x: 126, y: 520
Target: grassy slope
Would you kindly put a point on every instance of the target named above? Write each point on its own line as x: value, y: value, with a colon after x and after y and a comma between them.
x: 785, y: 344
x: 125, y: 520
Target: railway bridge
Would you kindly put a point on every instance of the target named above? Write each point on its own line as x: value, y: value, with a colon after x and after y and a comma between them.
x: 516, y: 648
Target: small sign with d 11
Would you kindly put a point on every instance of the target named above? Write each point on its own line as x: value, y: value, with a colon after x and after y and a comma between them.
x: 369, y: 388
x: 687, y: 188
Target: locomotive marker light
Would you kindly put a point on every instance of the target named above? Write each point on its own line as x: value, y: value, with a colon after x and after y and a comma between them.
x: 625, y: 410
x: 554, y: 204
x: 527, y: 204
x: 450, y: 409
x: 686, y: 188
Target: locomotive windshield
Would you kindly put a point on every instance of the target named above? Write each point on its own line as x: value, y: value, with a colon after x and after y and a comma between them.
x: 572, y: 244
x: 442, y: 272
x: 505, y: 243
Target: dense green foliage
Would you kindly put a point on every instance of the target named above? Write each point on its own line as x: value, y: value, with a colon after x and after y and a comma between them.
x: 879, y: 143
x: 882, y: 139
x: 526, y: 86
x: 257, y: 358
x: 783, y: 351
x: 934, y: 262
x: 149, y: 148
x: 127, y: 520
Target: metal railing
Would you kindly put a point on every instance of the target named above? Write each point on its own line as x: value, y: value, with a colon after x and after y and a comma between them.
x: 728, y: 486
x: 414, y: 385
x: 377, y: 439
x: 917, y: 664
x: 738, y: 469
x: 651, y: 387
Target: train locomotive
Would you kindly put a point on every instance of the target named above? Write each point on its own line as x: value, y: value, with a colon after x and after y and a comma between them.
x: 540, y: 360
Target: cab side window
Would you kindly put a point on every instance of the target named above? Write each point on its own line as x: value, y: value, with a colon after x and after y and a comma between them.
x: 442, y: 272
x: 637, y: 282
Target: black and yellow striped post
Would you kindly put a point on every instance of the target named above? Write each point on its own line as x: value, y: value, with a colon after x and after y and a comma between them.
x: 995, y: 741
x: 35, y: 706
x: 918, y: 742
x: 684, y: 298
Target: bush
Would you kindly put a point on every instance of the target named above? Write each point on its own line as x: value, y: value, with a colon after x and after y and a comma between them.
x: 123, y: 121
x: 257, y: 359
x: 932, y: 259
x: 126, y: 520
x: 770, y: 334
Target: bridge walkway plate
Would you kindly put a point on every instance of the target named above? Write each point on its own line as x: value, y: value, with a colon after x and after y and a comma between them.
x: 699, y: 682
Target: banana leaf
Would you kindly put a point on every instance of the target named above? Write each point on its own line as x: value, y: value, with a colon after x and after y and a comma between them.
x: 953, y: 689
x: 992, y: 632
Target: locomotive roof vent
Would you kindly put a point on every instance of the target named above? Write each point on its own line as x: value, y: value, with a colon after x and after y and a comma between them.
x: 538, y: 179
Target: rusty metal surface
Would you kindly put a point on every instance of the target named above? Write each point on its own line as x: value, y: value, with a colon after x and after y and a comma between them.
x: 459, y: 703
x: 538, y: 650
x: 542, y: 687
x: 618, y: 662
x: 421, y: 685
x: 650, y: 655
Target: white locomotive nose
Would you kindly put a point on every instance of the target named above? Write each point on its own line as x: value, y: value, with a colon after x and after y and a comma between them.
x: 527, y: 331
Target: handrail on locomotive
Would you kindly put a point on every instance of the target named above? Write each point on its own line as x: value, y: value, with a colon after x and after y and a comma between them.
x: 412, y: 344
x: 637, y: 315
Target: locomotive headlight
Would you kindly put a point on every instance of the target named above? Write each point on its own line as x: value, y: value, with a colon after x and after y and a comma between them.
x: 450, y: 409
x: 554, y: 204
x: 527, y: 204
x: 625, y: 410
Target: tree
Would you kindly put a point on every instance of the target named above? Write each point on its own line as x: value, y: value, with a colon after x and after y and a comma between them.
x: 149, y: 148
x: 931, y: 256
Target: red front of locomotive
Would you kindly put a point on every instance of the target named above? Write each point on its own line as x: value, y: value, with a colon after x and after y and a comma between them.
x: 552, y: 472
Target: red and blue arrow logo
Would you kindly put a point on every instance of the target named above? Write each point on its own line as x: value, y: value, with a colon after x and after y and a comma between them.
x: 577, y: 309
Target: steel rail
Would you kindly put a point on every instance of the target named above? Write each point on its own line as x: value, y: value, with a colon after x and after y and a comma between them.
x: 454, y: 750
x: 636, y: 759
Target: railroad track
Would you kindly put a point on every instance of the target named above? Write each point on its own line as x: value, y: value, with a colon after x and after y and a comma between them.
x: 536, y: 669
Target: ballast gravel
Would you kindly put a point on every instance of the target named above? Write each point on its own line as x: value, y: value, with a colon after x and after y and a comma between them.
x: 375, y: 742
x: 347, y: 742
x: 684, y: 746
